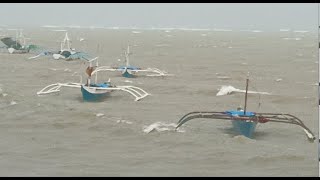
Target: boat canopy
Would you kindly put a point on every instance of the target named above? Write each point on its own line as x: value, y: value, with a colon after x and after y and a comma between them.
x: 9, y: 42
x: 240, y: 113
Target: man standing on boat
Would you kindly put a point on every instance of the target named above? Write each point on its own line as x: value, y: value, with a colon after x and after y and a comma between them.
x: 89, y: 71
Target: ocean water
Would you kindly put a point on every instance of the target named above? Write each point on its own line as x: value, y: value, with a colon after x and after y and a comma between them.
x: 60, y: 135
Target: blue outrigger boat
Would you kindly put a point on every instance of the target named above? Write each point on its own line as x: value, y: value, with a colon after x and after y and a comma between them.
x: 95, y: 91
x: 129, y: 71
x: 244, y: 122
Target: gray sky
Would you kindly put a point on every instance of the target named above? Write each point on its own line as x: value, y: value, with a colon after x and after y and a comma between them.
x: 269, y: 16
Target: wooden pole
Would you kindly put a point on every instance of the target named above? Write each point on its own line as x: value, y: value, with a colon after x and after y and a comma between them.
x: 246, y: 95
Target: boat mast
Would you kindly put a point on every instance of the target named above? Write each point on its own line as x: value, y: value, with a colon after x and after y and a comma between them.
x: 246, y: 95
x: 127, y: 56
x: 66, y: 41
x: 17, y: 37
x: 22, y: 39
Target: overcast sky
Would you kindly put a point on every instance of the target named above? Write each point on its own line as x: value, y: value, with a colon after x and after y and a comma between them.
x: 270, y: 16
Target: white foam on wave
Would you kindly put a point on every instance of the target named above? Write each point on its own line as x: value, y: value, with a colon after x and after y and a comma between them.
x: 297, y: 39
x: 301, y: 31
x: 99, y: 114
x: 2, y: 93
x: 128, y: 81
x: 50, y: 26
x: 13, y: 103
x: 226, y: 90
x: 223, y: 77
x: 224, y: 30
x: 136, y: 32
x: 242, y: 139
x: 160, y: 126
x: 124, y: 121
x: 74, y: 26
x: 162, y: 45
x: 256, y: 31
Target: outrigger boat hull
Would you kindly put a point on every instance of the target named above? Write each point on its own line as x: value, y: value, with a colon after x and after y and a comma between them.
x: 126, y: 74
x: 18, y: 51
x: 244, y: 128
x: 92, y: 94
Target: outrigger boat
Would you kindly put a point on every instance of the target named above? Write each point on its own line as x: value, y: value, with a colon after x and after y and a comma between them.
x: 65, y: 52
x: 18, y: 44
x: 95, y: 91
x: 244, y: 122
x: 130, y: 71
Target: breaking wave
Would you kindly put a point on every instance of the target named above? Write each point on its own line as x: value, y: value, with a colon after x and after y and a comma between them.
x: 160, y: 126
x: 226, y: 90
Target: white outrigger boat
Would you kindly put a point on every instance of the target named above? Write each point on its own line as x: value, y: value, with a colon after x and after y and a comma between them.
x: 95, y: 91
x: 130, y: 71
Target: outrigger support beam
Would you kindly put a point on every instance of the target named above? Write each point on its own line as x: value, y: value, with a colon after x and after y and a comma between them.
x: 155, y: 71
x: 52, y: 88
x: 258, y: 117
x: 137, y: 92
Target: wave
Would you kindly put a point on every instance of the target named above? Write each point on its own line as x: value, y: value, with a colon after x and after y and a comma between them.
x: 271, y: 159
x: 242, y: 139
x: 301, y: 31
x: 160, y: 126
x: 284, y: 30
x: 226, y: 90
x: 162, y: 45
x: 297, y: 39
x: 13, y: 103
x: 224, y: 30
x: 223, y: 77
x: 50, y: 26
x: 99, y: 114
x: 124, y: 121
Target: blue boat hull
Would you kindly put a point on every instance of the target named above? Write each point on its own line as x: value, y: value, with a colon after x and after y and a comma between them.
x: 89, y: 96
x: 127, y: 74
x: 244, y: 128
